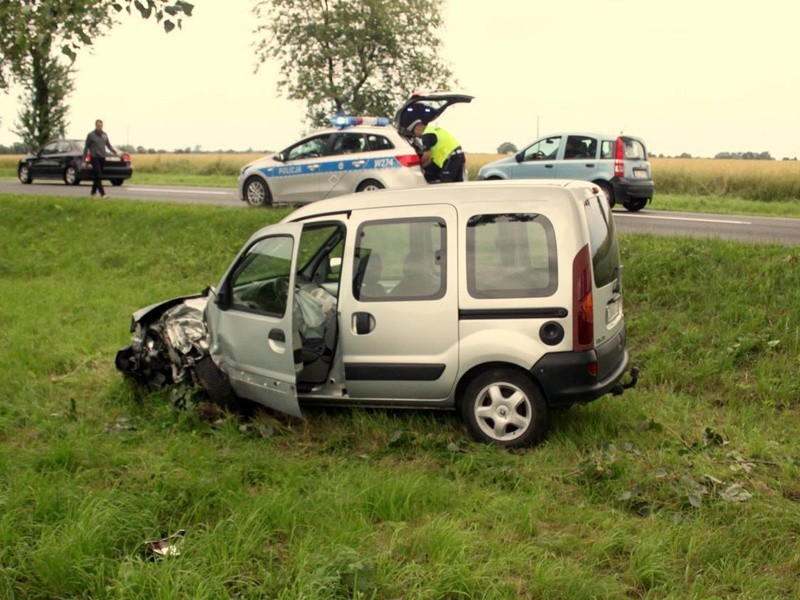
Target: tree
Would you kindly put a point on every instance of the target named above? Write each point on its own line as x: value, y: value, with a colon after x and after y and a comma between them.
x: 352, y: 56
x: 44, y: 109
x: 506, y: 148
x: 40, y: 40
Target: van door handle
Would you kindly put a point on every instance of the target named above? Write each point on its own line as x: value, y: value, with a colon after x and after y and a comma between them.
x: 548, y: 166
x: 358, y: 163
x: 277, y: 335
x: 362, y: 323
x: 590, y: 165
x: 312, y: 167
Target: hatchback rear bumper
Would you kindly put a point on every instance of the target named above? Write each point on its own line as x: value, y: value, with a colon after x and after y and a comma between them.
x: 567, y: 378
x: 625, y: 189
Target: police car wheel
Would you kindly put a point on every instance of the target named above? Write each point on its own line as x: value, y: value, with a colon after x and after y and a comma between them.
x: 369, y: 185
x: 256, y: 192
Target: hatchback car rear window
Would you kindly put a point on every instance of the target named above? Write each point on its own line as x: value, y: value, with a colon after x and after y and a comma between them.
x: 603, y: 241
x: 633, y: 149
x: 511, y: 256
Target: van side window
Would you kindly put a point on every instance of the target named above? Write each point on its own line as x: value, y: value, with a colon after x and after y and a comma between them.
x: 511, y: 256
x: 401, y: 259
x: 603, y: 241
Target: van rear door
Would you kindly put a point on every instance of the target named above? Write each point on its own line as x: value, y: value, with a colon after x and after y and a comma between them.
x: 609, y: 321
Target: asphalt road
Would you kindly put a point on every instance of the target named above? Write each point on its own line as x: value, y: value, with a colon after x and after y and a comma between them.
x: 763, y: 230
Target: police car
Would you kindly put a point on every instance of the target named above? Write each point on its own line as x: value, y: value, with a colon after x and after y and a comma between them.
x: 355, y: 154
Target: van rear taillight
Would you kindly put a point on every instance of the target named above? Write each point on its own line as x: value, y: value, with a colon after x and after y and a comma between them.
x: 126, y: 158
x: 619, y: 158
x: 582, y: 301
x: 408, y: 160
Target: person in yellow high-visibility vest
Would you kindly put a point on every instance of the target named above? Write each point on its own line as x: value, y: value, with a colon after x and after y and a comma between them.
x: 442, y: 157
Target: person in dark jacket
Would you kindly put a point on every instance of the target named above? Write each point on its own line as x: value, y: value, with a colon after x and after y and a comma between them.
x: 94, y: 151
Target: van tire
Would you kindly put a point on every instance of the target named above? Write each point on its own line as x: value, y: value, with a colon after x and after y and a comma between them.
x: 504, y: 407
x: 608, y: 192
x: 216, y: 384
x: 635, y: 204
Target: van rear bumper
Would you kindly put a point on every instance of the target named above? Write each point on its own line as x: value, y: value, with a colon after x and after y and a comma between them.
x: 566, y: 377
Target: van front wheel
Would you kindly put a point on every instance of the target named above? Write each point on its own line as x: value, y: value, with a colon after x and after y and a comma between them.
x: 504, y: 407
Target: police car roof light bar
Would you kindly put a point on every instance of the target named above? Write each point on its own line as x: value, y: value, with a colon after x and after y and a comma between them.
x: 342, y: 121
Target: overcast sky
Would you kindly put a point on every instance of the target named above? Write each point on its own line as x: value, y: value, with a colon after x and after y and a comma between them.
x: 697, y: 76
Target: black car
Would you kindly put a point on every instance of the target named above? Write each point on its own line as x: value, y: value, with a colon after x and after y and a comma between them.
x: 63, y: 159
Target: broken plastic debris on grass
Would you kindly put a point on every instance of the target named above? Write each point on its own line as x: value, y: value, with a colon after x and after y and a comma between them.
x: 120, y: 425
x: 166, y: 546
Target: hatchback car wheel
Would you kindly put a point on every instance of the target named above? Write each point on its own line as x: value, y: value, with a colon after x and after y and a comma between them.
x: 71, y: 176
x: 608, y: 192
x: 635, y: 204
x: 256, y: 192
x: 24, y: 174
x: 504, y: 407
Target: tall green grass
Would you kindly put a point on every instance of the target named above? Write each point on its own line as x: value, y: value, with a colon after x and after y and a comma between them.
x: 630, y: 497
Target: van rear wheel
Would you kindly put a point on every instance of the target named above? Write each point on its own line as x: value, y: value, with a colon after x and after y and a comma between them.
x: 504, y: 407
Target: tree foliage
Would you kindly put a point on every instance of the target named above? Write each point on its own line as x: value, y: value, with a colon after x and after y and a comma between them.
x: 352, y: 56
x: 745, y: 155
x: 43, y: 112
x: 70, y: 26
x: 40, y: 40
x: 506, y: 148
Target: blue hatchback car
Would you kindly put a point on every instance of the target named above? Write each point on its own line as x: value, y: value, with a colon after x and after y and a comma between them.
x: 617, y: 164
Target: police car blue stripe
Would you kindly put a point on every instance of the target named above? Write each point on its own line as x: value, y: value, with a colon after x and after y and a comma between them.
x: 333, y: 166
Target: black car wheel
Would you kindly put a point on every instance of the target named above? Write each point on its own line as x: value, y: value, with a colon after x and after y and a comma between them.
x: 635, y: 204
x: 256, y: 192
x: 608, y: 192
x: 369, y: 185
x: 504, y: 407
x: 117, y: 182
x: 71, y: 176
x: 24, y: 173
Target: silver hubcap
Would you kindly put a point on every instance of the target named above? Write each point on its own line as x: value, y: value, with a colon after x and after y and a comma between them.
x: 23, y: 173
x: 71, y: 175
x: 255, y: 194
x: 503, y: 411
x: 370, y: 188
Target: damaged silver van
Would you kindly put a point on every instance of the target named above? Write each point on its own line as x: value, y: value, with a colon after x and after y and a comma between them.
x: 499, y: 299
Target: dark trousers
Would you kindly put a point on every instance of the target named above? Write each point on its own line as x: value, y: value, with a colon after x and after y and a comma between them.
x: 98, y: 164
x: 453, y: 168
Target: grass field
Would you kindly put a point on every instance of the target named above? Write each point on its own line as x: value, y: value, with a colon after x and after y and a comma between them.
x: 686, y: 487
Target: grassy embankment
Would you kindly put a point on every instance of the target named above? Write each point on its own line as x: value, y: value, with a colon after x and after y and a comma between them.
x: 770, y: 188
x: 686, y: 487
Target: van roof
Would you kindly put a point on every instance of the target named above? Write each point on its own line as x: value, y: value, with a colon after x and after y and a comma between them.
x: 449, y: 193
